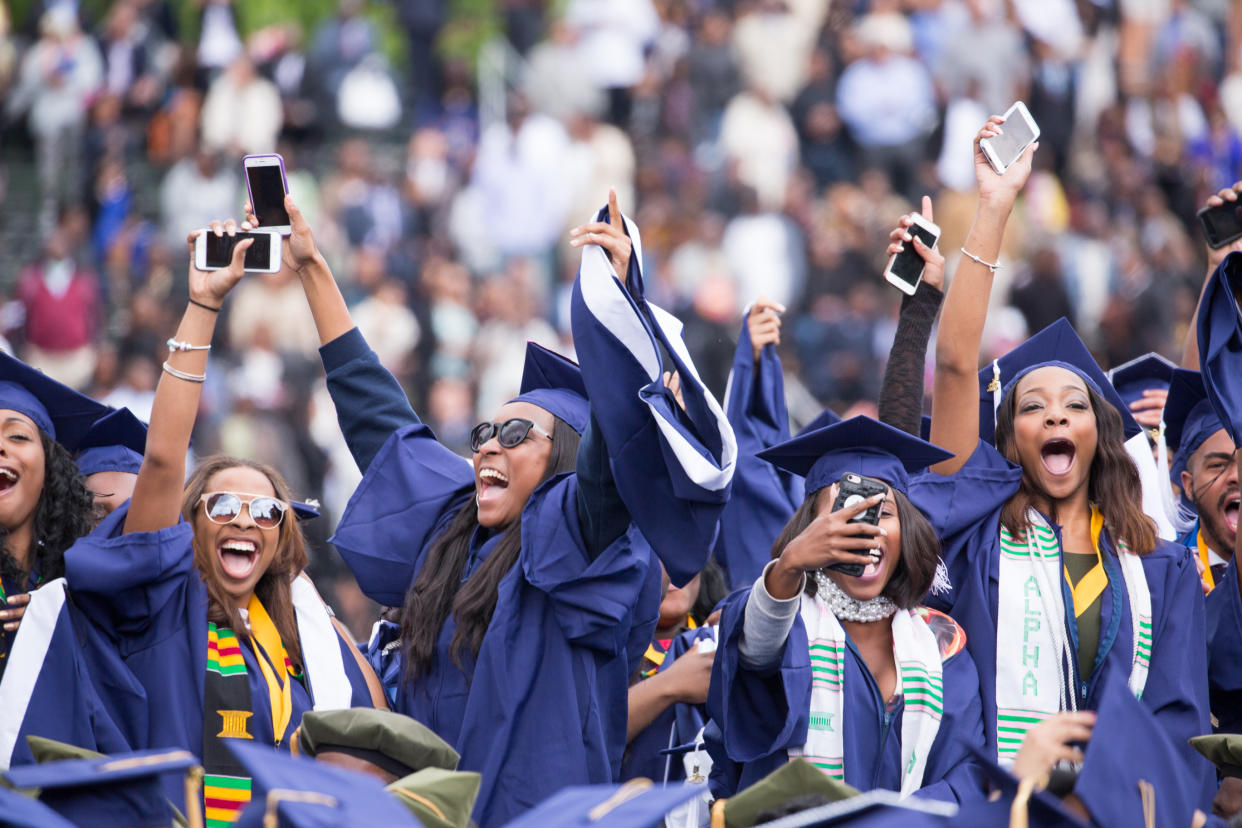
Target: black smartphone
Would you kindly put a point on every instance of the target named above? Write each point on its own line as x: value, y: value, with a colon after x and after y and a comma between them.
x: 1222, y: 224
x: 851, y: 489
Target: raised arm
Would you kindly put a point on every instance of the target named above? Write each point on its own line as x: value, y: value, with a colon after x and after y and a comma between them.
x: 1190, y: 347
x: 370, y: 403
x: 156, y: 502
x: 901, y: 394
x: 955, y: 408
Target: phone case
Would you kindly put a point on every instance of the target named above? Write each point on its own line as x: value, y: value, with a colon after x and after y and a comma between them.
x: 896, y: 281
x: 1018, y: 109
x: 850, y: 487
x: 284, y: 179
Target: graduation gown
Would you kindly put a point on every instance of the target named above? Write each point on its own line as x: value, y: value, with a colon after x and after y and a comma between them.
x: 761, y: 715
x: 965, y: 509
x: 647, y: 755
x: 50, y: 691
x: 143, y: 586
x: 764, y: 496
x: 1224, y: 632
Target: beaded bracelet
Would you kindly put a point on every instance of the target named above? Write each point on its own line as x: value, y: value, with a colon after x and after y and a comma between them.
x: 992, y: 268
x: 175, y: 345
x: 184, y: 375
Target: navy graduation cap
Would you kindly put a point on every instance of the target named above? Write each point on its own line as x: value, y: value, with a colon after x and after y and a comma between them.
x: 115, y: 442
x: 303, y: 793
x: 876, y: 809
x: 636, y: 804
x: 859, y: 444
x: 1220, y: 343
x: 1132, y: 773
x: 109, y: 792
x: 1131, y: 379
x: 62, y: 413
x: 1189, y: 419
x: 18, y: 811
x: 555, y: 384
x: 305, y: 509
x: 1058, y: 345
x: 1043, y: 809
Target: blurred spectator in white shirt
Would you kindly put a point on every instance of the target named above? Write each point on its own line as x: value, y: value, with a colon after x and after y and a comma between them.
x: 242, y: 113
x: 758, y: 136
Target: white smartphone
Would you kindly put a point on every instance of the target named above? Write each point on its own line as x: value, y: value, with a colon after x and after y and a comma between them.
x: 1017, y: 133
x: 212, y: 252
x: 267, y: 185
x: 905, y: 269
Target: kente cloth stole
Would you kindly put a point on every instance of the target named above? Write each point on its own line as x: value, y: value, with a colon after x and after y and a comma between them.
x: 916, y: 652
x: 1034, y: 668
x: 228, y: 708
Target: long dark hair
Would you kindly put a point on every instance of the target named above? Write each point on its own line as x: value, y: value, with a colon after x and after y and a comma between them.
x: 66, y: 511
x: 273, y: 588
x: 1113, y: 485
x: 920, y: 549
x: 438, y: 590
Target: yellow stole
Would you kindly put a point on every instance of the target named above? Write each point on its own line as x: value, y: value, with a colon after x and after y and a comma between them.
x: 1092, y: 585
x: 271, y: 657
x: 1208, y: 578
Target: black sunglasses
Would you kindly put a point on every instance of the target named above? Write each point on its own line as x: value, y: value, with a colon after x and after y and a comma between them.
x: 509, y: 433
x: 224, y: 507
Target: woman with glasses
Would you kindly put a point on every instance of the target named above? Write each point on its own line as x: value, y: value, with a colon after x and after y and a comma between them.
x: 198, y: 583
x: 527, y: 594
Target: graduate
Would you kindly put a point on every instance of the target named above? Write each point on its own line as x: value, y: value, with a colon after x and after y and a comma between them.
x: 109, y: 457
x: 197, y: 583
x: 45, y: 506
x: 528, y: 594
x: 1204, y: 473
x: 846, y: 671
x: 1055, y: 572
x: 764, y: 496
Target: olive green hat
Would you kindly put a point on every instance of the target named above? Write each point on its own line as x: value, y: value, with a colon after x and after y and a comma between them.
x: 439, y: 798
x: 792, y: 780
x: 394, y: 742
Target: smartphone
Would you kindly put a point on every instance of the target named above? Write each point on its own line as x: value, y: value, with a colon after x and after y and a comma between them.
x: 851, y: 489
x: 1018, y: 132
x: 905, y: 269
x: 212, y: 252
x: 267, y: 185
x: 1222, y: 224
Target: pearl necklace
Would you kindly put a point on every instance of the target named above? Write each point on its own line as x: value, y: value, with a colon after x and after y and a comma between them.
x: 851, y: 609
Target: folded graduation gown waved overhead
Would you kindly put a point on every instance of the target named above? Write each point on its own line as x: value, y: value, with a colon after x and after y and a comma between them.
x: 673, y: 468
x: 1224, y: 636
x: 49, y: 691
x: 1220, y: 343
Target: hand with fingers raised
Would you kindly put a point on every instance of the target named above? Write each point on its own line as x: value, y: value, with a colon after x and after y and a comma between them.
x: 609, y: 235
x: 299, y: 249
x: 1051, y: 741
x: 210, y: 287
x: 1000, y: 191
x: 763, y: 323
x: 933, y: 261
x: 829, y: 539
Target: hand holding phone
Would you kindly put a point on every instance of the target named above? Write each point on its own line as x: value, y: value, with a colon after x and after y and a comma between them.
x: 852, y: 490
x: 906, y: 265
x: 1018, y: 132
x: 267, y: 186
x: 212, y: 252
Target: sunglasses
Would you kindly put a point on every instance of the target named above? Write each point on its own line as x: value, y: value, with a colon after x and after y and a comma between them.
x: 509, y: 433
x: 224, y: 507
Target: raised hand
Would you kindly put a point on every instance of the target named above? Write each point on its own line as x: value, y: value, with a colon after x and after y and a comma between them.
x: 1148, y: 408
x: 1001, y: 190
x: 609, y: 235
x: 1227, y: 195
x: 210, y: 287
x: 829, y: 539
x: 299, y: 248
x: 933, y: 270
x: 763, y: 323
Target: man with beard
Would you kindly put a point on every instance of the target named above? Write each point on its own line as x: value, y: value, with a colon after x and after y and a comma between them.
x: 1203, y: 467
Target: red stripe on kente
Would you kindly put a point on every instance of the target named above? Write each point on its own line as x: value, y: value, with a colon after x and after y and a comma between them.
x: 225, y: 804
x: 231, y: 650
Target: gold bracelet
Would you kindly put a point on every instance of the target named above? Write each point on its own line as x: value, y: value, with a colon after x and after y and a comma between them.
x: 183, y: 375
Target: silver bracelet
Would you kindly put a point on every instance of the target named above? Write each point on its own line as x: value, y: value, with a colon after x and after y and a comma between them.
x: 177, y: 345
x: 992, y: 268
x: 183, y: 375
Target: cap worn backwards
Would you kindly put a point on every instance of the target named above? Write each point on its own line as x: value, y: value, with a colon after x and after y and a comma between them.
x: 115, y: 442
x: 1057, y: 345
x: 1189, y: 419
x: 1150, y: 371
x: 555, y: 384
x: 859, y: 444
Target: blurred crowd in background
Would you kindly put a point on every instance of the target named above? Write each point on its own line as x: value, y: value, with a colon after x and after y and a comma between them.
x: 763, y: 147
